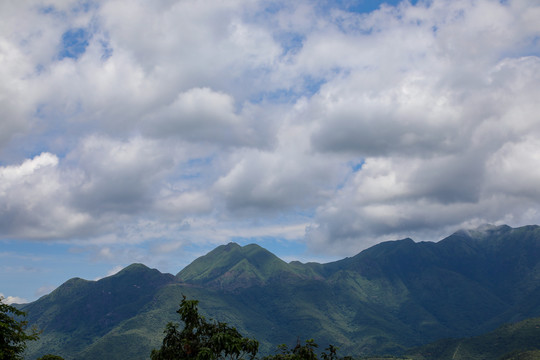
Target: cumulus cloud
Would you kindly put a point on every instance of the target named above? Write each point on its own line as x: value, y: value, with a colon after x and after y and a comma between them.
x: 34, y: 201
x: 176, y: 121
x: 97, y: 190
x: 513, y: 169
x: 438, y: 134
x: 12, y: 299
x: 201, y: 115
x: 411, y: 116
x: 118, y: 176
x: 288, y: 177
x: 177, y: 204
x: 192, y: 43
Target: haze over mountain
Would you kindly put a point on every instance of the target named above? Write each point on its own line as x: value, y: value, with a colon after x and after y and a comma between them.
x: 390, y: 297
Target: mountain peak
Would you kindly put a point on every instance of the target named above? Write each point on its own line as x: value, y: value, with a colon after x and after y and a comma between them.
x: 400, y: 293
x: 233, y: 266
x: 135, y: 267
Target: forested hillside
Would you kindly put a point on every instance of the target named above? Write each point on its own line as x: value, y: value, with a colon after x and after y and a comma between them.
x: 391, y: 297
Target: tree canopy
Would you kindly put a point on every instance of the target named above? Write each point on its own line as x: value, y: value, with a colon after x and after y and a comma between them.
x: 13, y: 332
x: 305, y: 352
x: 203, y: 340
x: 50, y: 357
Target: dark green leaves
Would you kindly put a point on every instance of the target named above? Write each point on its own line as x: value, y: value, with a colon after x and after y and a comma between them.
x: 304, y: 352
x: 13, y: 336
x: 203, y: 340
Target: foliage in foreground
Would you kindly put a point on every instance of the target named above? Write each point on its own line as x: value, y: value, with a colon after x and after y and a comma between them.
x: 203, y: 340
x: 304, y: 352
x: 50, y: 357
x: 13, y: 332
x: 13, y: 335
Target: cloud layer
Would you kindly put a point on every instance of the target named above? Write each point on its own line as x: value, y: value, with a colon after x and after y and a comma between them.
x: 185, y: 122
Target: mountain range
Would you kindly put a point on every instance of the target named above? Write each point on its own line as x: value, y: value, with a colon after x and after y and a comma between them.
x: 391, y: 297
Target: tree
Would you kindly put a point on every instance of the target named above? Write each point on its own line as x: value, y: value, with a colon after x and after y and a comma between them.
x: 13, y: 335
x: 50, y: 357
x: 304, y: 352
x: 202, y: 340
x: 299, y: 352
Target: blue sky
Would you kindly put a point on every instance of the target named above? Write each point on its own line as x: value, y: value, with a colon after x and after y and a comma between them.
x: 153, y: 132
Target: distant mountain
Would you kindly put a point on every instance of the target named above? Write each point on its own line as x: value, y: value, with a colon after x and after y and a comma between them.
x: 390, y: 297
x: 80, y: 313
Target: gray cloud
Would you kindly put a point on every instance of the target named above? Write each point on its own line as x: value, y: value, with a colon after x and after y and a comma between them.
x: 185, y: 119
x: 276, y: 182
x: 118, y: 176
x: 34, y: 198
x: 201, y: 115
x: 439, y: 138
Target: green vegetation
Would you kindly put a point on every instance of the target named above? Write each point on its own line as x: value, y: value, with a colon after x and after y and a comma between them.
x: 81, y: 319
x: 305, y: 352
x: 13, y: 332
x: 203, y: 340
x: 385, y: 300
x: 230, y: 267
x: 14, y: 336
x: 524, y: 355
x: 509, y: 342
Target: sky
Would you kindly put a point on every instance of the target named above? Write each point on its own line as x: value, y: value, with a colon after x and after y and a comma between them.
x: 154, y: 131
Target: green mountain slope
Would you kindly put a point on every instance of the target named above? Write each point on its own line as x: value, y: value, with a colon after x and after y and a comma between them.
x: 80, y: 312
x: 231, y: 266
x: 388, y: 298
x: 510, y: 341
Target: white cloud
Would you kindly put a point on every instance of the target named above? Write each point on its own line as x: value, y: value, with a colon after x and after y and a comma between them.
x: 201, y: 115
x: 119, y: 176
x: 14, y: 92
x: 186, y: 121
x: 286, y: 177
x: 34, y: 201
x: 190, y: 43
x: 441, y: 134
x: 12, y: 300
x: 179, y: 204
x: 514, y: 170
